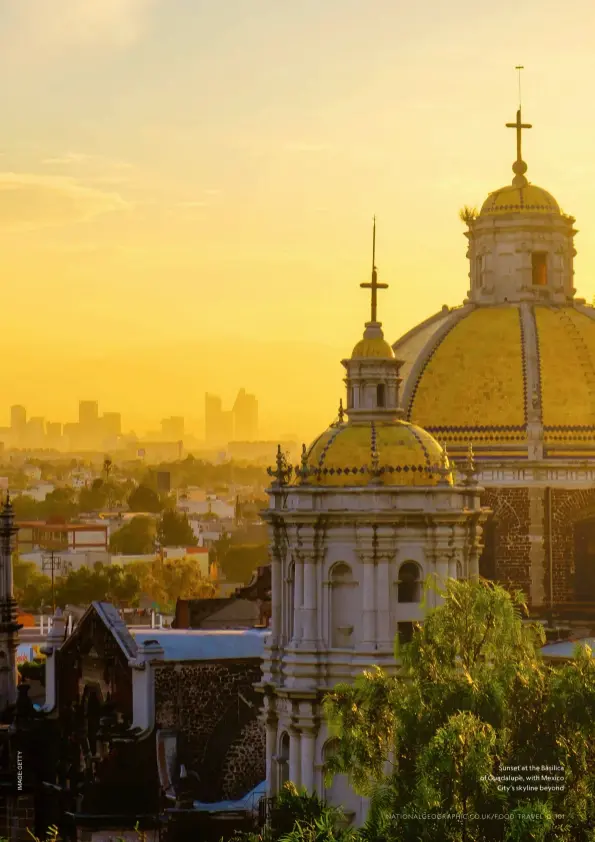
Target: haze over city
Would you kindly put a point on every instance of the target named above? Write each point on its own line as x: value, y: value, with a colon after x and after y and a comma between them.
x: 186, y: 199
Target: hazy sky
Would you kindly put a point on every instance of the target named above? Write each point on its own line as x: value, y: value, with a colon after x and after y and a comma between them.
x: 187, y: 187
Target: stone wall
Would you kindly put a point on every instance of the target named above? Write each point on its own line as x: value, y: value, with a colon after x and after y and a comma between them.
x: 211, y: 704
x: 17, y: 817
x: 245, y: 761
x: 510, y: 508
x: 568, y: 508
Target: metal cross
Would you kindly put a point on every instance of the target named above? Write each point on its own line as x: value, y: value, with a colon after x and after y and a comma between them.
x: 374, y: 285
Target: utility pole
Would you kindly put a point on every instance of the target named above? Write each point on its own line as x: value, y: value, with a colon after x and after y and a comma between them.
x: 54, y: 563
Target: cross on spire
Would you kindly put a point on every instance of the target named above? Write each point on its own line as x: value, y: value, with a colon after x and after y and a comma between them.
x: 519, y: 126
x: 374, y: 285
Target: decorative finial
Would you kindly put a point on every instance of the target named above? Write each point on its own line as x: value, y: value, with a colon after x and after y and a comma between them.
x: 341, y: 411
x: 283, y: 470
x: 470, y: 469
x: 519, y: 167
x: 374, y: 285
x: 444, y: 470
x: 303, y: 472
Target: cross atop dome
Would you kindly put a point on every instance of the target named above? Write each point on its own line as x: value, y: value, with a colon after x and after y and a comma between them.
x: 519, y: 167
x: 374, y: 286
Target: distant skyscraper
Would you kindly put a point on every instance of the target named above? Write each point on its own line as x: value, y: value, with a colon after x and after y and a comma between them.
x: 111, y: 424
x: 36, y: 432
x: 53, y: 433
x: 213, y: 420
x: 226, y: 427
x: 245, y: 413
x: 172, y: 428
x: 88, y: 413
x: 18, y: 423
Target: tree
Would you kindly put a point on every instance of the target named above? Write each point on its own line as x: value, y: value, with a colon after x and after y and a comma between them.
x: 135, y: 538
x: 174, y: 530
x: 32, y: 588
x: 94, y: 498
x: 473, y: 697
x: 102, y: 583
x: 60, y: 503
x: 239, y: 561
x: 166, y: 581
x: 144, y: 499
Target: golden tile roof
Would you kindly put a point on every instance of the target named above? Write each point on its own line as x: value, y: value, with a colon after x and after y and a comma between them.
x: 567, y: 369
x: 396, y: 453
x: 375, y: 347
x: 511, y: 199
x: 474, y: 377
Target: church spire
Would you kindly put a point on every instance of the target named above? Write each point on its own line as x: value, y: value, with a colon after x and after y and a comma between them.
x: 519, y: 167
x: 374, y: 286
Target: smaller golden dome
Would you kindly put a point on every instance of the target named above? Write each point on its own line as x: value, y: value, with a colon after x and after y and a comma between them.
x: 394, y: 453
x: 374, y: 347
x: 514, y: 199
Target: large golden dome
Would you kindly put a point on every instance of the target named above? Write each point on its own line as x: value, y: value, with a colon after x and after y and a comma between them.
x: 512, y: 199
x: 396, y: 453
x: 497, y: 375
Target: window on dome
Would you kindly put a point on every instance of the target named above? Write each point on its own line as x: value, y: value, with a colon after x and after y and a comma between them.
x: 409, y: 582
x: 539, y: 266
x: 381, y: 395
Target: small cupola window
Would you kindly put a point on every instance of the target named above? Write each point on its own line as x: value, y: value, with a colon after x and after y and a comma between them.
x: 381, y: 395
x: 539, y: 268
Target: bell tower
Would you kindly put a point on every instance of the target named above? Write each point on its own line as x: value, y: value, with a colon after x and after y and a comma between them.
x: 521, y: 245
x: 372, y: 379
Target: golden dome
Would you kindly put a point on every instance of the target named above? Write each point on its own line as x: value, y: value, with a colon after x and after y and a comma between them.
x: 397, y: 453
x: 512, y: 199
x: 482, y: 377
x: 375, y: 347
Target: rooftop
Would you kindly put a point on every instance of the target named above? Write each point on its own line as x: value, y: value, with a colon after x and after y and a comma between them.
x: 206, y: 644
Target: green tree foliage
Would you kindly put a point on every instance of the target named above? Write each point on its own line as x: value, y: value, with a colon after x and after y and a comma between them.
x: 59, y: 505
x: 102, y: 495
x: 103, y: 583
x: 473, y: 696
x: 144, y: 499
x: 166, y: 581
x: 239, y: 561
x: 32, y: 588
x: 137, y: 537
x: 174, y: 530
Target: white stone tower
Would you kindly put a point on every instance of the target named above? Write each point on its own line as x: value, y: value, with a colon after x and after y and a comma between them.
x: 373, y: 510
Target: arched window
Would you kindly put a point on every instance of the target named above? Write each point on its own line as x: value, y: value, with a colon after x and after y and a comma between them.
x: 381, y: 395
x: 459, y: 570
x: 343, y: 607
x: 409, y: 582
x: 283, y: 760
x: 352, y: 398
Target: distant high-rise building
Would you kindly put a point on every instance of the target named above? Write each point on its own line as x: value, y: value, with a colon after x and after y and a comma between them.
x: 88, y: 413
x: 245, y: 414
x: 111, y: 424
x: 172, y: 428
x: 18, y: 418
x: 53, y: 434
x: 213, y: 413
x: 36, y: 432
x: 225, y: 427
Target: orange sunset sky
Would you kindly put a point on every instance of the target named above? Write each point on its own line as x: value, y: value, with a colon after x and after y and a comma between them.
x: 187, y: 186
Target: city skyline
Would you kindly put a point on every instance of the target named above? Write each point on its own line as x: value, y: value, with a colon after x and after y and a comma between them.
x: 208, y: 221
x: 93, y: 429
